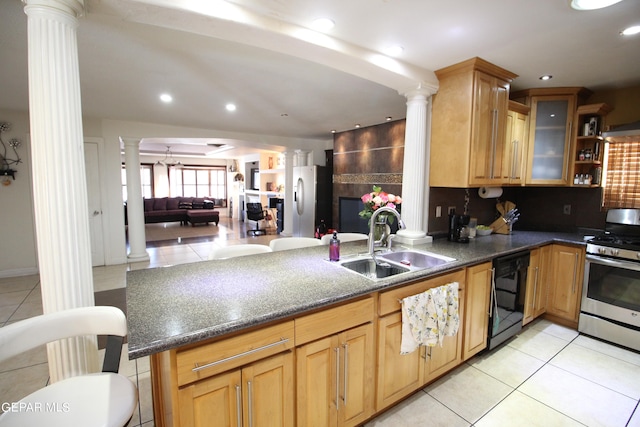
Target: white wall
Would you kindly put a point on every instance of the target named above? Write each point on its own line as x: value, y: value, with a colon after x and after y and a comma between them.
x: 17, y: 237
x: 18, y: 253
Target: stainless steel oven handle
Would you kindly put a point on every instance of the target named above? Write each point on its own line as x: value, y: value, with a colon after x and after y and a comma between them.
x: 611, y: 262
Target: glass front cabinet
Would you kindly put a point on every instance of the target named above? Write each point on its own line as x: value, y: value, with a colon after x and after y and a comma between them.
x: 550, y: 133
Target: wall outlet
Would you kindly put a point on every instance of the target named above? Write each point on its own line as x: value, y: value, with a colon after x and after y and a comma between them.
x: 438, y: 211
x: 566, y: 210
x: 451, y: 209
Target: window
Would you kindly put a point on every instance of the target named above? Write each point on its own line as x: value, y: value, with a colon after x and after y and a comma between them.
x: 200, y: 182
x: 146, y: 179
x: 622, y: 175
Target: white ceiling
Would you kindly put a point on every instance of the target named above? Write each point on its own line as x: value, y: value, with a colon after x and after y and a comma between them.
x: 130, y: 51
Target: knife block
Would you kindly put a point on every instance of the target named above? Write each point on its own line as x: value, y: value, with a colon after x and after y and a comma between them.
x: 499, y: 226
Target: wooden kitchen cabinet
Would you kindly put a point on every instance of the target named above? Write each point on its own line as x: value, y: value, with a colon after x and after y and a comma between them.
x: 335, y: 373
x: 537, y: 284
x: 515, y: 147
x: 260, y: 394
x: 477, y: 299
x: 565, y: 283
x: 550, y: 132
x: 468, y: 127
x: 335, y: 379
x: 222, y: 382
x: 399, y: 375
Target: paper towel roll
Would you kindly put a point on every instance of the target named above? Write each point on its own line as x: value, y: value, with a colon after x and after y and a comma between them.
x: 490, y: 192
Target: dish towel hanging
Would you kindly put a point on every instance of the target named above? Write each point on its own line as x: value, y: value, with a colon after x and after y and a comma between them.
x: 429, y: 316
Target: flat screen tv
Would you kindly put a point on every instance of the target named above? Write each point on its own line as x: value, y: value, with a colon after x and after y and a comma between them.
x: 350, y: 222
x: 348, y: 219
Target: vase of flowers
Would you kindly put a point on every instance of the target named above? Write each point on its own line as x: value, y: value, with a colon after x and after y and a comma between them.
x: 373, y: 201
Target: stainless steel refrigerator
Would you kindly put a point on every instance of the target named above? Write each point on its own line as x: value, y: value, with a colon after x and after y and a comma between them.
x: 312, y: 196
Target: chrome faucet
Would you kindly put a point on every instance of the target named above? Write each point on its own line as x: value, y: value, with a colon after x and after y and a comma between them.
x: 372, y: 224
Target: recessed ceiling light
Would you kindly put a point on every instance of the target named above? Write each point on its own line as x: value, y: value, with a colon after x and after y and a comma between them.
x: 333, y: 131
x: 388, y: 118
x: 592, y: 4
x: 394, y: 50
x: 631, y: 30
x: 230, y: 107
x: 357, y: 125
x: 323, y: 24
x: 165, y: 97
x: 546, y: 77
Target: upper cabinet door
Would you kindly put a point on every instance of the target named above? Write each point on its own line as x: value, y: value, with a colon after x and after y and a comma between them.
x: 515, y: 145
x: 551, y: 131
x: 488, y: 135
x: 551, y: 137
x: 469, y: 115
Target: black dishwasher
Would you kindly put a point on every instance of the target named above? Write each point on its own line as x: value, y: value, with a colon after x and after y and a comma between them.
x: 507, y: 297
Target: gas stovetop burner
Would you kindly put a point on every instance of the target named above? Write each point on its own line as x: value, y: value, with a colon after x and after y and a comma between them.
x: 621, y: 236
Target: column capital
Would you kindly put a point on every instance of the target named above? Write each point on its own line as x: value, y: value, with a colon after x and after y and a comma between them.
x: 131, y: 142
x: 72, y: 7
x: 421, y: 90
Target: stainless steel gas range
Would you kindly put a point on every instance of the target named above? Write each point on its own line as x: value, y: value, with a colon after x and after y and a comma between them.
x: 610, y: 308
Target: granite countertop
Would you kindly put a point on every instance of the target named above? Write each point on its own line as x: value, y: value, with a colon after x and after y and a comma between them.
x: 169, y: 307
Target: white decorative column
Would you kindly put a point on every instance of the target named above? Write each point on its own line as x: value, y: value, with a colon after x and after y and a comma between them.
x: 59, y: 179
x: 415, y: 173
x: 287, y: 230
x: 135, y: 209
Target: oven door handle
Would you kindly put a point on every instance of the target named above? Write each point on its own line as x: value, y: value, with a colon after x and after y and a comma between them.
x: 629, y: 265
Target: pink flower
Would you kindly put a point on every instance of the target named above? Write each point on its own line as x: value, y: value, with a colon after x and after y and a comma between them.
x: 366, y: 198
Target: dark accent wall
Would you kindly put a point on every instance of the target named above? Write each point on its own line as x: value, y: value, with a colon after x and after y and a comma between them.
x: 365, y: 157
x: 374, y: 155
x: 541, y: 208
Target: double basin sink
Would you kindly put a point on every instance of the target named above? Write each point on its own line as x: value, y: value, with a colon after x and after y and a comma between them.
x: 392, y: 263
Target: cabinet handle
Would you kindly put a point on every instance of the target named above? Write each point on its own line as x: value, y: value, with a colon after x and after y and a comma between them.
x: 337, y: 350
x: 235, y: 356
x: 346, y: 365
x: 514, y: 158
x: 494, y: 125
x: 575, y: 275
x: 239, y: 405
x: 250, y: 395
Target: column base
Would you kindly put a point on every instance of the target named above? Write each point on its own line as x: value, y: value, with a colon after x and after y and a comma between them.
x: 138, y: 257
x: 412, y: 237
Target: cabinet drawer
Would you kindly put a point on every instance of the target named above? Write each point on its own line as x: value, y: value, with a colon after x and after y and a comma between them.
x: 210, y: 359
x: 327, y: 322
x: 390, y: 300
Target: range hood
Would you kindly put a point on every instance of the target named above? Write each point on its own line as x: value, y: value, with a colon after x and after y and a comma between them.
x: 623, y: 133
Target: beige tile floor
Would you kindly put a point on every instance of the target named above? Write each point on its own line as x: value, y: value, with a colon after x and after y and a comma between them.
x: 546, y: 376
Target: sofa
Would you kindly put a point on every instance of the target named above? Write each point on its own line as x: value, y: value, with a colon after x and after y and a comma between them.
x: 195, y: 210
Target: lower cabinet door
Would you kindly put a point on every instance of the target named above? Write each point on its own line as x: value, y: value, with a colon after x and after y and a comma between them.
x: 476, y: 323
x: 316, y: 375
x: 398, y: 375
x: 567, y: 265
x: 260, y: 394
x: 335, y: 379
x: 269, y: 392
x: 214, y: 401
x: 356, y: 375
x: 443, y: 359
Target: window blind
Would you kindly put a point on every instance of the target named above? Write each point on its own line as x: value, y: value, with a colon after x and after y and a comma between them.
x: 622, y: 176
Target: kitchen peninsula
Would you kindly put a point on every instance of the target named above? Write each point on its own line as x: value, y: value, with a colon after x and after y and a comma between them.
x: 253, y: 327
